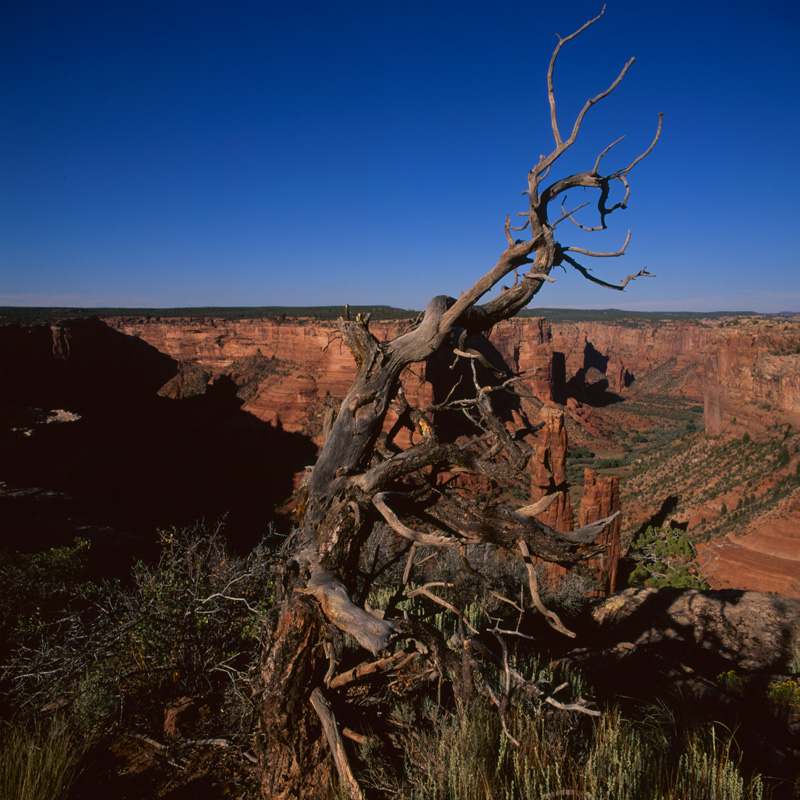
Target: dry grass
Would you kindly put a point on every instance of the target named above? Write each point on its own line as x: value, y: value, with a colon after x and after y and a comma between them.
x: 39, y: 761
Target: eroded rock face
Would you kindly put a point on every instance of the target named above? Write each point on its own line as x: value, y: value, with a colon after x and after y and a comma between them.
x: 601, y: 499
x: 310, y: 360
x: 308, y: 363
x: 526, y: 346
x: 625, y: 353
x: 746, y: 372
x: 549, y: 470
x: 752, y: 377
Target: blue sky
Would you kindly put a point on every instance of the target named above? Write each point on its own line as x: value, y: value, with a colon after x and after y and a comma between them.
x: 269, y: 153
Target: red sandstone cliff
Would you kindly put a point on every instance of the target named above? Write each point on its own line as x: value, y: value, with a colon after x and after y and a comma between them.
x: 526, y: 347
x: 627, y: 352
x: 311, y: 362
x: 601, y: 499
x: 741, y: 371
x: 752, y: 374
x: 549, y: 470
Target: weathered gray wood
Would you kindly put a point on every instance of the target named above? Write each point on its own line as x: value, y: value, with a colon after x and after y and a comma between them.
x: 348, y: 488
x: 336, y: 743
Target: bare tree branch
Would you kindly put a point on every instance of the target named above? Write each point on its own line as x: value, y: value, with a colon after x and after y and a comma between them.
x: 604, y: 153
x: 533, y: 583
x: 539, y: 507
x: 550, y: 89
x: 418, y: 537
x: 649, y: 149
x: 426, y: 592
x: 620, y: 252
x: 642, y: 273
x: 393, y: 662
x: 326, y: 717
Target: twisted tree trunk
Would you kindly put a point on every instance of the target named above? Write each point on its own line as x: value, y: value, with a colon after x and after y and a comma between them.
x: 363, y: 477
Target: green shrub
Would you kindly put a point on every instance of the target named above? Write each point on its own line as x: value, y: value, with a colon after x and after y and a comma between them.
x: 197, y: 611
x: 665, y: 558
x: 36, y: 586
x: 190, y: 625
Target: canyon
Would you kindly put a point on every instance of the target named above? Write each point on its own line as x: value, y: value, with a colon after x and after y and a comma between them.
x: 257, y: 390
x: 737, y: 370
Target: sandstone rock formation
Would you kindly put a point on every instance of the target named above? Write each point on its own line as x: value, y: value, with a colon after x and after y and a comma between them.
x: 752, y: 377
x: 549, y: 470
x: 626, y: 352
x: 526, y: 346
x: 601, y: 499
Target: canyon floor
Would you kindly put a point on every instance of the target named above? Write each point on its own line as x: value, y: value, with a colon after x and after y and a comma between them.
x: 737, y: 498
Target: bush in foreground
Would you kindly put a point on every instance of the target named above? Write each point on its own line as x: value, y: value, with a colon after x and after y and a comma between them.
x: 189, y: 625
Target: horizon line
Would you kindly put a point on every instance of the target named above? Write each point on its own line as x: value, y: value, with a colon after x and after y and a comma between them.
x: 359, y: 306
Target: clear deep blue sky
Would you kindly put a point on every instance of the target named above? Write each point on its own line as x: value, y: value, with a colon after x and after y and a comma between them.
x: 184, y: 153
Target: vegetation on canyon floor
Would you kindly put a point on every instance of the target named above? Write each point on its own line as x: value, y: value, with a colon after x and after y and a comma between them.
x: 736, y: 481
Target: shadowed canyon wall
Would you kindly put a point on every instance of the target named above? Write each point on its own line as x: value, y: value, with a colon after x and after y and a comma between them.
x: 625, y: 352
x: 125, y: 459
x: 272, y: 382
x: 736, y: 371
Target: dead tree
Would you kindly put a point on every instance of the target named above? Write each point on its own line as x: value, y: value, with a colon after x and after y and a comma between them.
x: 364, y: 477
